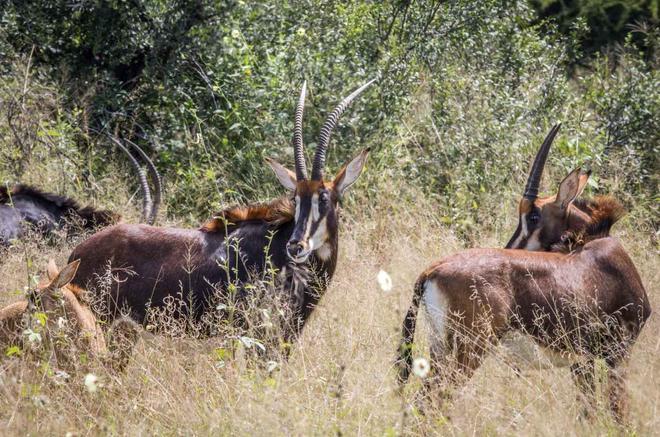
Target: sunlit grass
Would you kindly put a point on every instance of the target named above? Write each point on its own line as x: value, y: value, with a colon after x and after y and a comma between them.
x: 340, y: 375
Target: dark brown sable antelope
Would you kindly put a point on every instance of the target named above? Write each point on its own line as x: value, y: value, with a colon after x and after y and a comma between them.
x: 23, y: 207
x: 296, y: 235
x: 583, y: 300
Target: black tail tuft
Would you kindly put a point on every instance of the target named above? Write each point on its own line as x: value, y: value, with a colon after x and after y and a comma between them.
x: 405, y: 359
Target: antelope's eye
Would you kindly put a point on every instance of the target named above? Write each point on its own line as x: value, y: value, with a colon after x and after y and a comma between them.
x: 534, y: 218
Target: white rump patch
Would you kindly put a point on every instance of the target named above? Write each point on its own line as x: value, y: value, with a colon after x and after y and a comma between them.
x: 437, y: 310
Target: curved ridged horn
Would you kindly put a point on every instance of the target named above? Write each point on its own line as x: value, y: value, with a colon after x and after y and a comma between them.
x: 326, y: 131
x: 301, y: 166
x: 534, y: 179
x: 147, y: 203
x: 158, y: 186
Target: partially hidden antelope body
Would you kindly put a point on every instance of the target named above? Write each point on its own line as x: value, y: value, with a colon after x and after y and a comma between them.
x: 24, y: 207
x: 296, y: 235
x: 574, y: 290
x: 61, y: 319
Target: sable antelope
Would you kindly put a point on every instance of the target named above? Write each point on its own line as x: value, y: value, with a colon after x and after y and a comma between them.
x: 547, y: 220
x: 296, y: 235
x: 582, y: 301
x: 67, y: 319
x: 59, y: 304
x: 23, y: 206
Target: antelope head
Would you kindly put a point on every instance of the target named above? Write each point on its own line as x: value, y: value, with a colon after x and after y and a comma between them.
x: 316, y: 199
x: 48, y: 295
x: 53, y: 297
x: 544, y: 220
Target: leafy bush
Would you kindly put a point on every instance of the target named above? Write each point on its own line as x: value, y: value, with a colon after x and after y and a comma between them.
x: 608, y: 22
x: 466, y: 93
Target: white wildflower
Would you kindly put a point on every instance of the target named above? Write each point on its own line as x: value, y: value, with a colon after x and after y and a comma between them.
x: 91, y: 382
x: 61, y: 377
x: 384, y: 280
x: 33, y: 337
x: 250, y: 342
x: 40, y: 400
x: 301, y: 31
x: 235, y: 33
x: 421, y: 367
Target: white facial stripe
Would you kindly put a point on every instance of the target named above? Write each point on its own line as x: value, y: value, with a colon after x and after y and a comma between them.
x: 324, y: 252
x: 297, y: 207
x: 315, y: 207
x: 308, y: 225
x: 317, y: 240
x: 523, y: 231
x: 313, y: 216
x: 534, y: 242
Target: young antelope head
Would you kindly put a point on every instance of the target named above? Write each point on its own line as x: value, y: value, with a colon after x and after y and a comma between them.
x: 316, y: 200
x: 47, y: 295
x: 544, y: 220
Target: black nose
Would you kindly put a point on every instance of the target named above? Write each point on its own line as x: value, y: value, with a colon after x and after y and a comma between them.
x: 294, y: 248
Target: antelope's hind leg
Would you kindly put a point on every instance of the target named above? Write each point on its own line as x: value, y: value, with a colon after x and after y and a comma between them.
x: 584, y: 377
x: 617, y: 395
x: 454, y: 359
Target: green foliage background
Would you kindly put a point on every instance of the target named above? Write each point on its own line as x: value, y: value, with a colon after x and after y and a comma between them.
x: 467, y: 91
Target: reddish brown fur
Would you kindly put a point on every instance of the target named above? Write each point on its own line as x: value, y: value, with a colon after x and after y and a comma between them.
x: 587, y: 302
x: 543, y: 221
x: 276, y: 212
x: 603, y: 213
x: 55, y: 302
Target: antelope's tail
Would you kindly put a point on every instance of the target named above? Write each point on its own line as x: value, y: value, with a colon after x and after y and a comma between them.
x: 404, y: 359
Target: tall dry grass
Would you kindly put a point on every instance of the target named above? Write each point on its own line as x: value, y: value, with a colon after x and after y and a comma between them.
x: 339, y: 378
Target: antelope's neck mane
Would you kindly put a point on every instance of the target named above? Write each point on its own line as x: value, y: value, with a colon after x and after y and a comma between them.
x: 91, y: 215
x: 275, y: 213
x: 603, y: 212
x: 20, y: 190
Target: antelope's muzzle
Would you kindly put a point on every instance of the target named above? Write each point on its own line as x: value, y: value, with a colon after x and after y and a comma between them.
x: 297, y: 251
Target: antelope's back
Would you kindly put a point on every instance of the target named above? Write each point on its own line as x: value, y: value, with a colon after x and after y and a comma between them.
x: 614, y: 275
x: 601, y: 275
x: 149, y: 263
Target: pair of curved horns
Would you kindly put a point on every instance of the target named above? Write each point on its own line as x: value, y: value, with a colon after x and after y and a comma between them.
x: 324, y: 137
x: 534, y: 179
x: 149, y: 206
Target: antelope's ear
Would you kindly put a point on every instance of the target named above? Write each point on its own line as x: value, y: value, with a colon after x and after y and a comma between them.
x: 51, y: 270
x: 66, y: 275
x: 583, y: 179
x: 571, y: 187
x: 350, y: 172
x: 286, y: 177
